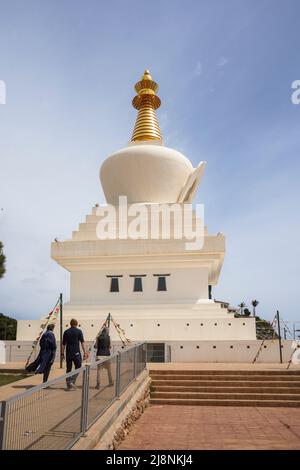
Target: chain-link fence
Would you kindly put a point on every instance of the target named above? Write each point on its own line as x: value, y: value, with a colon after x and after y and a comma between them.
x: 52, y: 416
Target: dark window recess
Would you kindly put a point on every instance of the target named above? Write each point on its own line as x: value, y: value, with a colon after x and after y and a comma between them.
x: 161, y: 283
x: 155, y: 352
x: 137, y: 287
x: 114, y: 284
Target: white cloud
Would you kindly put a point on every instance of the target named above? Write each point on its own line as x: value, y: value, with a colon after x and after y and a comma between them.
x: 222, y: 61
x: 198, y: 69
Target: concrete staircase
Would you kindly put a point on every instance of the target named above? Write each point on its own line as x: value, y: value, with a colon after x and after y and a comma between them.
x: 226, y: 387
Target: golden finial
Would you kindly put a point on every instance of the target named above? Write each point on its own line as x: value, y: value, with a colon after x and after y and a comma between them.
x: 146, y: 101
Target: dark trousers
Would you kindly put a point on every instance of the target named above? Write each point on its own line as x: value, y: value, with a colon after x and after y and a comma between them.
x: 70, y: 360
x: 47, y: 372
x: 106, y: 365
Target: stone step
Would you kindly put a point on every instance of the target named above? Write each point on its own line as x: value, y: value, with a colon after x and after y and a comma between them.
x: 226, y: 383
x: 225, y: 396
x: 190, y: 377
x: 224, y: 372
x: 228, y: 402
x: 222, y: 389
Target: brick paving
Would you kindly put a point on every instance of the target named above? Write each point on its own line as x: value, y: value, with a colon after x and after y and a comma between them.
x: 167, y: 427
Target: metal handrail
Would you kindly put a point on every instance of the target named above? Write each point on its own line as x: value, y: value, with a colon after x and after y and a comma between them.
x: 36, y: 388
x: 24, y: 409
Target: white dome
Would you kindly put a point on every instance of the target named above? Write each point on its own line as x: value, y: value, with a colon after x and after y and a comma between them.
x: 145, y: 172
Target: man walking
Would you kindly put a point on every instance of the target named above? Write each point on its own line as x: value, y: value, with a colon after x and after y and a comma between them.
x: 45, y: 359
x: 72, y: 339
x: 103, y: 347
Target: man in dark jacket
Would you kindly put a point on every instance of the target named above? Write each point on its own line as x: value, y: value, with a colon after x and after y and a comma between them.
x: 45, y: 359
x: 72, y: 339
x: 103, y: 346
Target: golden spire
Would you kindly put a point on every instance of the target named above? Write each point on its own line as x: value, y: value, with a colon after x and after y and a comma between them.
x: 146, y: 101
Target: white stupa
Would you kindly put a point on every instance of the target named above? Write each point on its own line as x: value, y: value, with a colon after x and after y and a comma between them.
x: 156, y: 289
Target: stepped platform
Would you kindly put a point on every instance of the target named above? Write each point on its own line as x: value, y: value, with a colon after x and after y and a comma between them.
x: 248, y: 386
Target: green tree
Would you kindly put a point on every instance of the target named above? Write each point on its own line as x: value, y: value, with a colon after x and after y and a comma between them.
x: 254, y: 304
x: 242, y: 305
x: 2, y: 261
x: 8, y: 328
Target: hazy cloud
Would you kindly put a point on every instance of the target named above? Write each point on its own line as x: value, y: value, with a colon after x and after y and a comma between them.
x: 198, y: 69
x: 222, y: 61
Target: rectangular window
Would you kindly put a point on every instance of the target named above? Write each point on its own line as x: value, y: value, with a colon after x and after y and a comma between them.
x: 137, y: 285
x: 114, y: 284
x: 161, y: 283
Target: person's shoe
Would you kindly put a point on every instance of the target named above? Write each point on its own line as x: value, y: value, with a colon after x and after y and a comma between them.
x: 71, y: 386
x: 97, y: 387
x: 111, y: 384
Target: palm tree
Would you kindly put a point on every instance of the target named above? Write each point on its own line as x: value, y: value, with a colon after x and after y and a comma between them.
x: 254, y: 304
x: 242, y: 305
x: 2, y: 261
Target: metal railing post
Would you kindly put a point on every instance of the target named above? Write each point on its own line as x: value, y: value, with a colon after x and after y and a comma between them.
x: 85, y: 399
x: 3, y: 408
x: 135, y: 361
x: 279, y: 336
x: 118, y: 374
x: 145, y: 355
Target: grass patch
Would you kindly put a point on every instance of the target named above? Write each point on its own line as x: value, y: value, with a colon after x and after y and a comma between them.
x: 9, y: 378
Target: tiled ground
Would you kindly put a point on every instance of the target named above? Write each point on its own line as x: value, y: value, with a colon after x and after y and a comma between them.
x: 215, y: 427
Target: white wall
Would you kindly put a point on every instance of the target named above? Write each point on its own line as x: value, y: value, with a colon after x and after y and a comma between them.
x: 187, y: 285
x: 157, y: 328
x: 182, y: 351
x: 230, y: 351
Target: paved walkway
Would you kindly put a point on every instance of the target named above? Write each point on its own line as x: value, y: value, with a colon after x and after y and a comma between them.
x: 50, y: 418
x: 14, y: 388
x: 167, y: 427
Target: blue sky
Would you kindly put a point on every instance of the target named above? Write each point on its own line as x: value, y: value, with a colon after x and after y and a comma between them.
x: 225, y: 70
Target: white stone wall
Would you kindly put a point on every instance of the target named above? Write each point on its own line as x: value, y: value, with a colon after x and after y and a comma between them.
x: 190, y: 351
x: 229, y: 351
x: 151, y: 326
x: 183, y: 285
